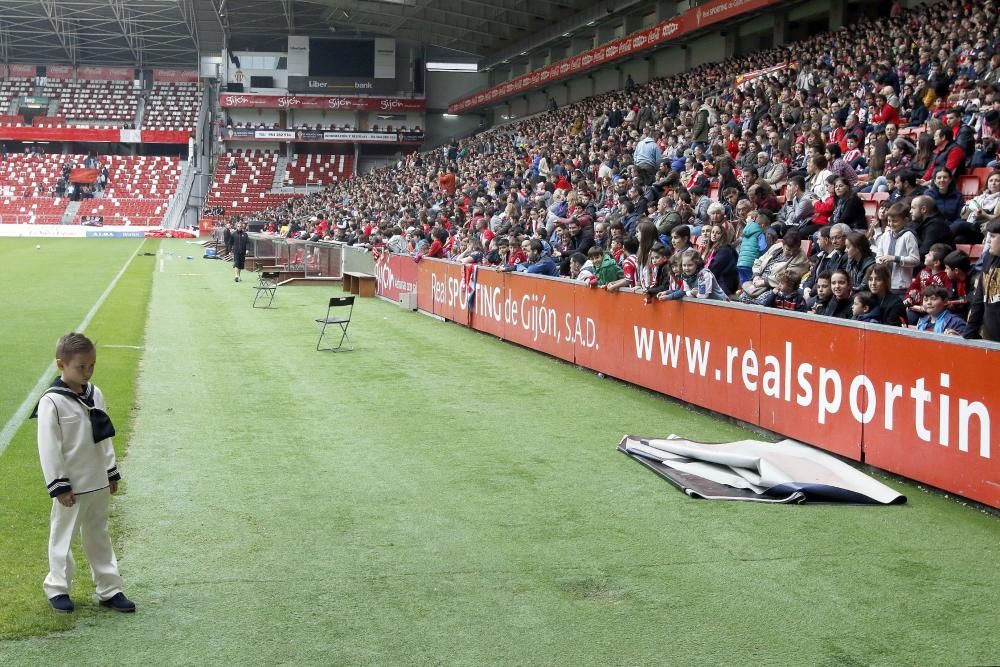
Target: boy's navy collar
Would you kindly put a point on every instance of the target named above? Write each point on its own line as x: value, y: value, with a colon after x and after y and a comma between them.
x: 87, y: 388
x: 87, y: 397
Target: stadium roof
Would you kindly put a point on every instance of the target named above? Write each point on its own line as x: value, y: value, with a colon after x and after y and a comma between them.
x: 149, y: 33
x: 485, y: 29
x: 171, y: 33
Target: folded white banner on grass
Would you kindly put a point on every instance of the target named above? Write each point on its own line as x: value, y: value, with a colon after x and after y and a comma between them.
x: 783, y: 469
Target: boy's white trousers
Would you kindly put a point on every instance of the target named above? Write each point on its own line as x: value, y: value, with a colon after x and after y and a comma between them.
x: 89, y: 517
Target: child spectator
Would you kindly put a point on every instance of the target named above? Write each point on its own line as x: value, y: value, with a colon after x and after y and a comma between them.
x: 818, y: 303
x: 840, y: 303
x: 78, y: 462
x: 659, y: 272
x: 630, y: 266
x: 958, y: 266
x: 860, y: 258
x: 753, y: 245
x: 865, y: 308
x: 581, y: 269
x: 696, y: 280
x: 898, y: 248
x: 933, y: 273
x: 890, y: 305
x: 605, y: 267
x: 787, y: 295
x: 937, y: 318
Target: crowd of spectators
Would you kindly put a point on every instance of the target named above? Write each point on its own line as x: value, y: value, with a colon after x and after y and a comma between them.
x: 753, y: 189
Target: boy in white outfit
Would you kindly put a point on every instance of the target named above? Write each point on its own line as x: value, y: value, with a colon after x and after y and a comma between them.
x: 78, y: 461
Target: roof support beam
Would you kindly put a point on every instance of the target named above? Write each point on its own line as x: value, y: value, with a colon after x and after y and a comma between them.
x: 191, y: 21
x: 62, y: 29
x: 127, y: 24
x: 288, y: 7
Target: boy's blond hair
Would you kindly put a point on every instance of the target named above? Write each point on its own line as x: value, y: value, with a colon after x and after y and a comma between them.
x: 73, y: 344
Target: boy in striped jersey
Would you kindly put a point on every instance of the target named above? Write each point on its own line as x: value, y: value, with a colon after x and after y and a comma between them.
x: 78, y: 461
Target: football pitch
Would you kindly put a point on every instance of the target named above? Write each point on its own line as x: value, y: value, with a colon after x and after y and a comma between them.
x: 434, y: 497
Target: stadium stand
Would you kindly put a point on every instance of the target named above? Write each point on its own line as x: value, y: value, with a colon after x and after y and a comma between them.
x: 835, y: 106
x: 309, y: 169
x: 138, y: 191
x: 12, y: 89
x: 37, y: 211
x: 243, y: 182
x: 172, y: 106
x: 94, y: 101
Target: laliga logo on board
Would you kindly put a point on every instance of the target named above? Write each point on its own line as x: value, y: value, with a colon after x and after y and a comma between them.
x: 587, y: 59
x: 384, y: 276
x: 670, y: 28
x: 638, y: 42
x: 388, y: 105
x: 611, y: 51
x: 564, y: 68
x: 284, y: 102
x: 338, y: 103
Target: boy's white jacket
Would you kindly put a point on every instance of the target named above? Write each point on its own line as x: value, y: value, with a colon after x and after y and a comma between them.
x: 71, y: 460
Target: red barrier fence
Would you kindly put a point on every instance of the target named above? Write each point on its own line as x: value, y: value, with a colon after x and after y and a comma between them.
x: 912, y: 404
x: 112, y: 135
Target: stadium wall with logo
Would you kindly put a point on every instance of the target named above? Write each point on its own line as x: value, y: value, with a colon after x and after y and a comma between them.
x: 916, y: 405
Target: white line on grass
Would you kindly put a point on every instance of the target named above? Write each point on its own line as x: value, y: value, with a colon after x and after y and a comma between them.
x: 14, y: 423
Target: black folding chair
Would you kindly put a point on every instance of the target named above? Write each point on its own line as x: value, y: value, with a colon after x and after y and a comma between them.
x: 267, y: 286
x: 334, y: 315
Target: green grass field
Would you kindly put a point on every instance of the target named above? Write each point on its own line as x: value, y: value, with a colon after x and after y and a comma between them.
x: 434, y: 497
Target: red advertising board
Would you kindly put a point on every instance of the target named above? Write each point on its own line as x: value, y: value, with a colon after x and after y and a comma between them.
x: 22, y: 71
x: 669, y: 30
x: 919, y: 406
x: 322, y: 102
x: 395, y: 276
x: 176, y: 75
x: 91, y: 134
x: 935, y: 412
x: 105, y: 73
x: 64, y: 72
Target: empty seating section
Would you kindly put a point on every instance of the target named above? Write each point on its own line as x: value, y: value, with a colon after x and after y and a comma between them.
x: 11, y: 120
x: 172, y: 106
x: 247, y: 188
x: 309, y: 169
x: 138, y: 192
x: 35, y: 210
x: 142, y: 177
x: 11, y: 90
x: 147, y: 212
x: 22, y: 175
x: 113, y: 102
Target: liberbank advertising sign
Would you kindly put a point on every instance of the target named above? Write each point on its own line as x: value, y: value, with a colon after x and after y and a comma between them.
x: 338, y: 85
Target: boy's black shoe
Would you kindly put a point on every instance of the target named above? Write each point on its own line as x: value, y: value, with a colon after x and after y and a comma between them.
x: 119, y: 602
x: 62, y: 603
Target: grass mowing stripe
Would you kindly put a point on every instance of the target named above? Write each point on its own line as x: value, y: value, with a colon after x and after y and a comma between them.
x: 24, y: 504
x: 22, y: 412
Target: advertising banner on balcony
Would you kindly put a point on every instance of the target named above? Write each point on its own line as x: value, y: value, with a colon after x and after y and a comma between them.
x: 176, y: 75
x: 323, y: 102
x: 105, y: 73
x: 22, y: 71
x: 62, y: 72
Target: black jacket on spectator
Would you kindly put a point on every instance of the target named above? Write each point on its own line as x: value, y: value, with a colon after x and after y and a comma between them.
x: 893, y: 311
x: 932, y: 229
x: 827, y: 262
x: 838, y: 308
x: 857, y: 270
x: 723, y: 267
x: 851, y: 212
x: 984, y: 311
